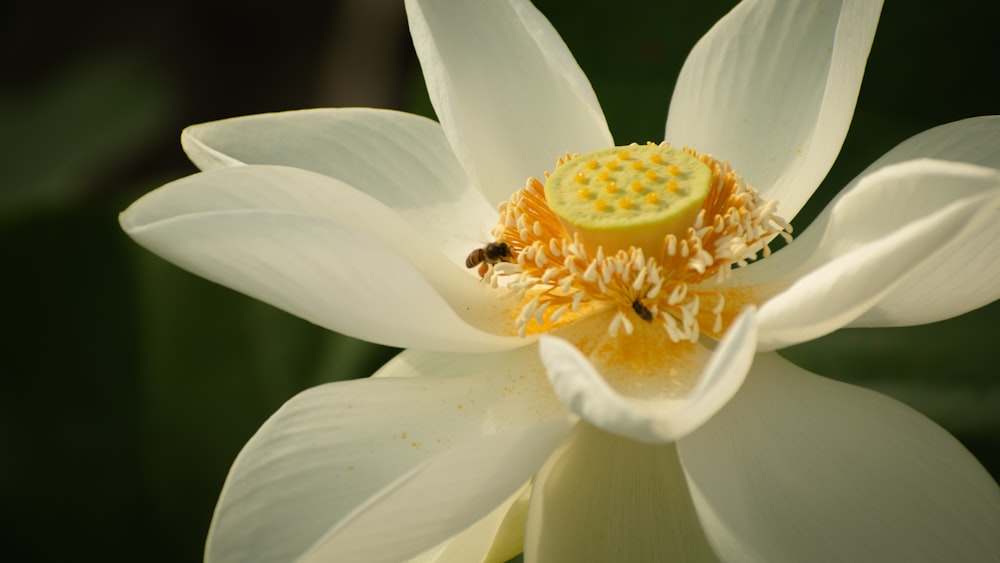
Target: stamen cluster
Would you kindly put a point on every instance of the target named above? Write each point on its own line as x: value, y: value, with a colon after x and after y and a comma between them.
x: 678, y: 288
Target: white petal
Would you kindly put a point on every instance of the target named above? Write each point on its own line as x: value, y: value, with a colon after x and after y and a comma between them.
x: 652, y: 420
x: 607, y: 498
x: 493, y: 538
x: 870, y: 239
x: 772, y: 88
x: 400, y: 159
x: 960, y: 279
x: 441, y: 496
x: 333, y: 448
x: 975, y: 141
x: 802, y: 468
x: 509, y: 94
x: 968, y: 275
x: 319, y: 249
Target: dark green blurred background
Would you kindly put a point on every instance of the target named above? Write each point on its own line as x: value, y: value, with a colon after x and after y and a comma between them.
x: 128, y: 385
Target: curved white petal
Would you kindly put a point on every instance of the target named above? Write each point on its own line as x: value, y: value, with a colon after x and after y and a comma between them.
x: 975, y: 140
x: 968, y: 275
x: 871, y: 238
x: 440, y: 496
x: 319, y: 249
x: 803, y: 468
x: 334, y: 448
x: 606, y: 498
x: 509, y: 94
x: 499, y: 536
x: 652, y: 420
x: 772, y: 88
x: 400, y: 159
x: 964, y: 277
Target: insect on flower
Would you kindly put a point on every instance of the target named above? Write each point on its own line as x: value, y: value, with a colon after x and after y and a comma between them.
x: 641, y: 310
x: 492, y: 253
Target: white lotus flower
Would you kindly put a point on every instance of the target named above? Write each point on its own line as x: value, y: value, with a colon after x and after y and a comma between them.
x: 636, y: 388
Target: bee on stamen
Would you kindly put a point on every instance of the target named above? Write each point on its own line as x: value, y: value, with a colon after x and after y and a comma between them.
x: 492, y: 253
x: 641, y: 310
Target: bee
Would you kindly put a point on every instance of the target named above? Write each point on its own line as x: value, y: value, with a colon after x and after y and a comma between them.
x: 492, y: 253
x: 641, y: 310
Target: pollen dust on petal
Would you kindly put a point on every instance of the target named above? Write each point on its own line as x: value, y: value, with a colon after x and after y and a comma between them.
x: 645, y: 364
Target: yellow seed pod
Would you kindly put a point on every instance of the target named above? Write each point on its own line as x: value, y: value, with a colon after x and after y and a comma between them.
x: 665, y: 208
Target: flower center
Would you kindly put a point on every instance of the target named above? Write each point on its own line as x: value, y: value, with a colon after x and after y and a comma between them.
x: 650, y: 232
